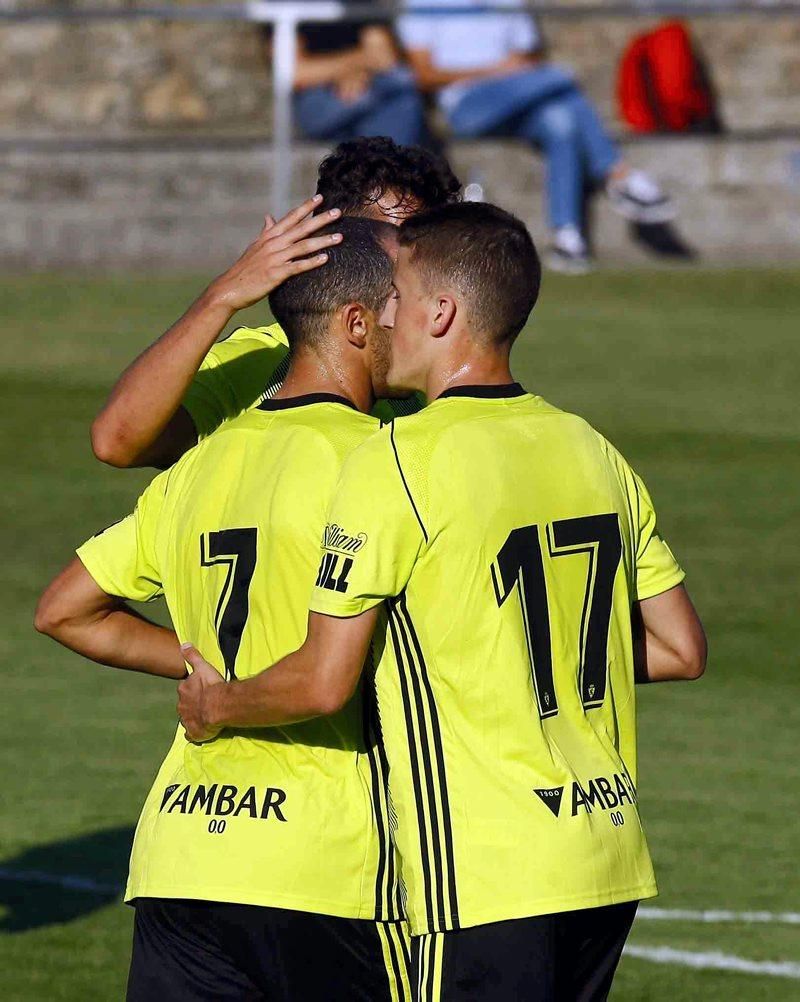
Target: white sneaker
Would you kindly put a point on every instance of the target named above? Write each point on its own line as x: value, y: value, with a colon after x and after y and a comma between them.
x: 568, y: 252
x: 639, y: 197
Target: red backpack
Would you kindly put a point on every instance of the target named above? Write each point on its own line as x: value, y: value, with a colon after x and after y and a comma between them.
x: 663, y: 86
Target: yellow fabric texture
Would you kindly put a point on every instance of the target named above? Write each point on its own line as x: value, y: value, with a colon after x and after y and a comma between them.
x: 283, y: 816
x: 247, y: 368
x: 510, y: 541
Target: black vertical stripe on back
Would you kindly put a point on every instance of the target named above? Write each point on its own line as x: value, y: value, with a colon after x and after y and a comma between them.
x: 396, y: 909
x: 416, y: 768
x: 381, y: 822
x: 438, y: 745
x: 425, y: 747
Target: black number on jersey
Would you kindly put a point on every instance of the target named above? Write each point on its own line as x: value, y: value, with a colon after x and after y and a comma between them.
x: 236, y: 550
x: 520, y: 563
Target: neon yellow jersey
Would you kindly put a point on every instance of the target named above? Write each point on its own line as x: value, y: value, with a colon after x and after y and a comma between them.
x: 284, y: 817
x: 510, y: 540
x: 247, y: 368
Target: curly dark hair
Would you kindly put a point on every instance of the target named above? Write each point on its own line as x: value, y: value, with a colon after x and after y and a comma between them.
x: 359, y: 172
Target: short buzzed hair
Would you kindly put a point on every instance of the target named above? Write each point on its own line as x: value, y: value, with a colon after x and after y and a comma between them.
x: 484, y: 253
x: 358, y: 270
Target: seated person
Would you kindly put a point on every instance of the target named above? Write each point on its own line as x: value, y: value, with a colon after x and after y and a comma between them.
x: 490, y: 78
x: 350, y: 82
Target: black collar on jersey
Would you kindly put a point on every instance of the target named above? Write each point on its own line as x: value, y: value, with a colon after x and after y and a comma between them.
x: 304, y: 399
x: 486, y: 390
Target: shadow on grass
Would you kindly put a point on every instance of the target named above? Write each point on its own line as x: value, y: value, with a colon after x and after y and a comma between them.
x: 63, y: 881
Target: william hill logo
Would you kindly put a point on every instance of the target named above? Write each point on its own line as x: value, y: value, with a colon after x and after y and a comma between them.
x: 336, y: 539
x: 224, y: 800
x: 601, y: 793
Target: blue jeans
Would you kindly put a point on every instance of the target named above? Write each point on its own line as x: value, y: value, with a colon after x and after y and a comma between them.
x: 391, y: 107
x: 544, y: 106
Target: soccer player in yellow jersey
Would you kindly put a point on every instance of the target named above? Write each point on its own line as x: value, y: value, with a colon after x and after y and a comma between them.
x: 162, y: 405
x: 261, y: 860
x: 504, y: 551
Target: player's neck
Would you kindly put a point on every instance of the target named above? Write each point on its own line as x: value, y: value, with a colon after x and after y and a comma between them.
x: 474, y: 369
x: 311, y: 373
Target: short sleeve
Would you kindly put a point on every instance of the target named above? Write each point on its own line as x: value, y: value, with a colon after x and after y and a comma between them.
x: 123, y: 559
x: 656, y: 569
x: 234, y: 375
x: 372, y: 537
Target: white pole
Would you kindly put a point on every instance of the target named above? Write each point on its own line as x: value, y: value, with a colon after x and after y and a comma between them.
x: 284, y: 17
x: 284, y: 58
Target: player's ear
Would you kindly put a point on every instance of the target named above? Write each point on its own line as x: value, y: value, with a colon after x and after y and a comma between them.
x: 356, y: 324
x: 444, y: 314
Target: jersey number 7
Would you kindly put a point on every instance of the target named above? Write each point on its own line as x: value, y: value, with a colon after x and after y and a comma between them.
x: 236, y: 550
x: 520, y: 562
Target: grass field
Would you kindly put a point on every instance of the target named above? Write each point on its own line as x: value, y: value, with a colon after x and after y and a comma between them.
x: 694, y: 375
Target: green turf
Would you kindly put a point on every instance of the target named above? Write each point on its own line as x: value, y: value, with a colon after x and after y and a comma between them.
x: 692, y: 374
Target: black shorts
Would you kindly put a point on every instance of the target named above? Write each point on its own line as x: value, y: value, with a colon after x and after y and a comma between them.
x: 204, y: 951
x: 568, y: 957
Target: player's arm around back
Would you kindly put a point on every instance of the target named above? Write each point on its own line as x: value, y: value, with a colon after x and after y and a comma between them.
x: 316, y: 680
x: 85, y: 607
x: 671, y: 642
x: 76, y: 612
x: 321, y: 676
x: 143, y: 422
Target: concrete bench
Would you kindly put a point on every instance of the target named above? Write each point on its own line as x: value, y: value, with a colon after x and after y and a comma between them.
x: 147, y: 204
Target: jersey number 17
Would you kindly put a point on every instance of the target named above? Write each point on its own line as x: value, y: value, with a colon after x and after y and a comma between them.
x: 520, y: 563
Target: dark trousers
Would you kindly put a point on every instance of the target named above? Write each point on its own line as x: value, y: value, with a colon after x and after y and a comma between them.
x: 568, y: 957
x: 391, y: 106
x: 205, y: 951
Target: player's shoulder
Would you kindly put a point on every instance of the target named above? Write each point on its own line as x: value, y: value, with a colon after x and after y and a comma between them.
x: 316, y: 425
x: 257, y: 337
x: 567, y: 422
x: 344, y: 428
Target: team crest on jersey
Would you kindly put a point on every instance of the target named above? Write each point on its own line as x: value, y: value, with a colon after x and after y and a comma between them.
x: 551, y: 798
x: 334, y: 538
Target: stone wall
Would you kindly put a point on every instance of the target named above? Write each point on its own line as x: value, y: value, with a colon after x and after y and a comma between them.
x: 739, y: 201
x: 201, y: 90
x: 144, y: 77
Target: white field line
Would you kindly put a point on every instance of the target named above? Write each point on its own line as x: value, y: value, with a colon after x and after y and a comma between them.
x: 716, y: 915
x: 656, y: 954
x: 714, y: 961
x: 67, y: 881
x: 645, y: 913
